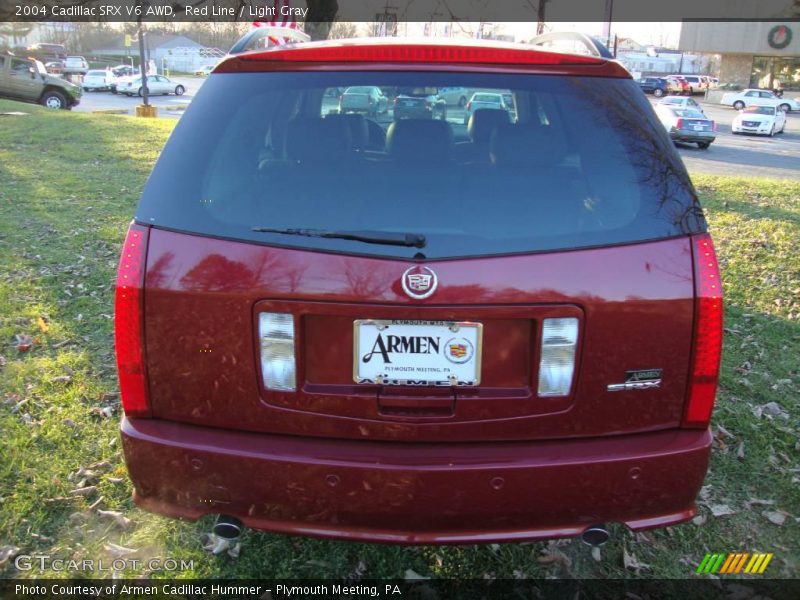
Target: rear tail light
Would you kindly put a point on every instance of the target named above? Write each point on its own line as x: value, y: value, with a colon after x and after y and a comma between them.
x: 129, y: 325
x: 557, y: 364
x: 707, y: 342
x: 713, y: 125
x: 679, y: 124
x: 276, y: 332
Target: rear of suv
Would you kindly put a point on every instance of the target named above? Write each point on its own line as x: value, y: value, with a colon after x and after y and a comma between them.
x: 411, y: 330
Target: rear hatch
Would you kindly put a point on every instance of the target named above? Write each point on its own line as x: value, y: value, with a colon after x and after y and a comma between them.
x: 428, y: 288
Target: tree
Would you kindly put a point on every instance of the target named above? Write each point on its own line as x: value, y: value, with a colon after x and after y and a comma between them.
x: 343, y: 30
x: 320, y: 18
x: 15, y: 32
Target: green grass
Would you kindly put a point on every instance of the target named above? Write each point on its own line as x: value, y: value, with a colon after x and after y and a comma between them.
x: 68, y: 187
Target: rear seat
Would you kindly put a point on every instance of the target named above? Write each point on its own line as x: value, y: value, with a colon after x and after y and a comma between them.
x: 420, y: 141
x: 526, y: 177
x: 481, y: 125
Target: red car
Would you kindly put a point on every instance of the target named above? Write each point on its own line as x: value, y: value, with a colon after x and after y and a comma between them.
x: 417, y: 331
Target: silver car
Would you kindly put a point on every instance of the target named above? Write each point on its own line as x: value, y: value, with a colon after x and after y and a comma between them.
x: 156, y: 84
x: 485, y: 100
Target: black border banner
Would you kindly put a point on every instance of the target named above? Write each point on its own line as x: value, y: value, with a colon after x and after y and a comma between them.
x: 400, y: 10
x: 386, y: 589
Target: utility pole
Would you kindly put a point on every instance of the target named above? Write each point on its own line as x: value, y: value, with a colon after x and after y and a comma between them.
x: 143, y: 65
x: 143, y: 4
x: 540, y: 10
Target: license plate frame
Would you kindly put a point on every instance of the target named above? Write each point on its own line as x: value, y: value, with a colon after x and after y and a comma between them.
x: 457, y: 361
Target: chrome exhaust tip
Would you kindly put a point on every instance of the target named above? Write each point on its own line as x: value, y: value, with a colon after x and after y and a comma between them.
x: 596, y: 535
x: 227, y: 527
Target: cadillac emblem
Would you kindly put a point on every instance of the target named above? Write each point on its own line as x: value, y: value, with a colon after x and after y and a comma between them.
x: 419, y: 282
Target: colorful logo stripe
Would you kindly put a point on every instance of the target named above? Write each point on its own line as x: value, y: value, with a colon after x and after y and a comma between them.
x: 735, y: 562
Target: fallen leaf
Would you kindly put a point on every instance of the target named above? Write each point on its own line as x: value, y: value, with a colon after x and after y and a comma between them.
x: 115, y: 480
x: 740, y: 451
x: 412, y: 575
x: 775, y: 517
x: 758, y: 502
x: 119, y: 551
x: 117, y: 517
x: 85, y: 491
x: 7, y: 553
x: 61, y: 379
x: 631, y: 562
x: 721, y: 510
x: 699, y: 520
x: 42, y: 323
x: 23, y: 342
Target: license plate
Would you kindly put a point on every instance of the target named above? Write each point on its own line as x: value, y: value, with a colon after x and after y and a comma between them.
x: 699, y: 128
x: 397, y: 352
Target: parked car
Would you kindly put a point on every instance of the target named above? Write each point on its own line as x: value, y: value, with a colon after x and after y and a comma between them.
x: 679, y: 84
x: 484, y: 100
x: 389, y: 346
x: 124, y: 71
x: 156, y: 84
x: 658, y: 86
x: 696, y: 84
x: 204, y: 71
x: 760, y: 120
x: 27, y: 80
x: 54, y: 67
x: 46, y: 52
x: 97, y: 80
x: 418, y: 104
x: 687, y: 125
x: 678, y: 102
x: 75, y: 65
x: 454, y: 96
x: 363, y: 99
x: 756, y: 97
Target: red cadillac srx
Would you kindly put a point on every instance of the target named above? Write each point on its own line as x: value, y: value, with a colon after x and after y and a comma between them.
x: 414, y: 330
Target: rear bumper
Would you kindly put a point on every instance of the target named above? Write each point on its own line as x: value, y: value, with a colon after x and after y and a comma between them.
x: 691, y: 136
x: 416, y: 493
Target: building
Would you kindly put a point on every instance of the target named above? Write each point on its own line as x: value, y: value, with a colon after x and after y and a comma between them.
x: 173, y: 52
x: 751, y: 54
x: 651, y: 60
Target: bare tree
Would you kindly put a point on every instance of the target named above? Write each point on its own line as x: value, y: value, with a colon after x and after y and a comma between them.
x: 343, y: 30
x: 321, y: 16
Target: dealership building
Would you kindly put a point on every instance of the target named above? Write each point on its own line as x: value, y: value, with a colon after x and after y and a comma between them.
x: 754, y: 54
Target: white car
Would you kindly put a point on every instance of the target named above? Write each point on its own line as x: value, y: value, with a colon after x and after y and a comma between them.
x: 485, y: 100
x: 680, y: 102
x: 97, y: 79
x: 753, y: 97
x: 156, y: 84
x: 761, y: 120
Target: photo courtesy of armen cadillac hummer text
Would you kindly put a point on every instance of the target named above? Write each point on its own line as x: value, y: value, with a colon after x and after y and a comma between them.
x: 362, y: 319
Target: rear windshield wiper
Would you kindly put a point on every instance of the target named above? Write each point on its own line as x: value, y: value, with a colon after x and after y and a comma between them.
x: 413, y: 240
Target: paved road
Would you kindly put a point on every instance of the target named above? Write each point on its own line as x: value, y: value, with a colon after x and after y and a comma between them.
x: 745, y: 155
x: 91, y: 101
x: 754, y: 156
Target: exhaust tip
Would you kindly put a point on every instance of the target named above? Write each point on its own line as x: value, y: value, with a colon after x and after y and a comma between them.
x: 596, y: 535
x: 228, y: 527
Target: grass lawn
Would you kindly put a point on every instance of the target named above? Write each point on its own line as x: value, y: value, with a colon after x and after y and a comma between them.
x: 69, y: 184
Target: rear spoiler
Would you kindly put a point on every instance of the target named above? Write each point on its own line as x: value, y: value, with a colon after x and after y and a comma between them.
x: 592, y: 44
x: 250, y: 40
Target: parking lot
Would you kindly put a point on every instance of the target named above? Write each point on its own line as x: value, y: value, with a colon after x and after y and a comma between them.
x: 743, y: 155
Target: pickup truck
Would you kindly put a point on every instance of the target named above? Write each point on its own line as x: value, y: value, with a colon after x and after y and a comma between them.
x: 27, y: 80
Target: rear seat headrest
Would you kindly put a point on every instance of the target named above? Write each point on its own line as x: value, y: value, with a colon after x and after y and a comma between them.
x: 484, y: 121
x: 523, y: 145
x: 359, y: 130
x: 317, y: 139
x: 420, y: 140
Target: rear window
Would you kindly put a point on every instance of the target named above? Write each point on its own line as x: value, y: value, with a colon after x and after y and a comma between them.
x: 577, y: 162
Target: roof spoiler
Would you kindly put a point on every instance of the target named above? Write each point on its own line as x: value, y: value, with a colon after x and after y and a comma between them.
x: 592, y: 44
x: 250, y: 39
